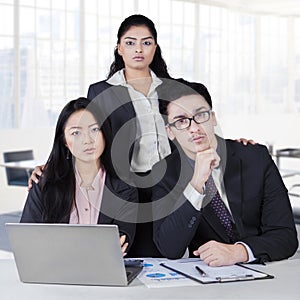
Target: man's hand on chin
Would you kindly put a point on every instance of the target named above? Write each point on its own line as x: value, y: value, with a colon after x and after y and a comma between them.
x: 205, y: 162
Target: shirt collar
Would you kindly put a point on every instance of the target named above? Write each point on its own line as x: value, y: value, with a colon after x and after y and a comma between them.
x: 95, y: 182
x: 119, y: 79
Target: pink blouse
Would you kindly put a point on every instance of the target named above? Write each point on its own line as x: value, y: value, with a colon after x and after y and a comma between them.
x: 88, y: 200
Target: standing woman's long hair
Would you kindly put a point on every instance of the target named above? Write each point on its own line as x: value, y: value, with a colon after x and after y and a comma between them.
x: 58, y: 180
x: 158, y: 65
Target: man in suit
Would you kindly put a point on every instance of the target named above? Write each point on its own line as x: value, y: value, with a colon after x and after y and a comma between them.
x: 226, y: 202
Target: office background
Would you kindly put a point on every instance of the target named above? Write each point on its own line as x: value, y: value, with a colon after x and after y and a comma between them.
x: 246, y: 52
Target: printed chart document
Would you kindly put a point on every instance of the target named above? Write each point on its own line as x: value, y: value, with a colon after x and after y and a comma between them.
x: 197, y: 270
x: 156, y: 276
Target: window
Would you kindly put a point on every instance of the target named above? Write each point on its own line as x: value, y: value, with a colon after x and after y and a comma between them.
x: 295, y: 65
x: 51, y: 50
x: 274, y: 63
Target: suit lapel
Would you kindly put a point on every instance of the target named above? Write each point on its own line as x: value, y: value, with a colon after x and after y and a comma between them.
x: 122, y: 96
x: 215, y: 224
x: 110, y: 203
x: 233, y: 186
x: 103, y: 218
x: 186, y: 169
x: 116, y: 99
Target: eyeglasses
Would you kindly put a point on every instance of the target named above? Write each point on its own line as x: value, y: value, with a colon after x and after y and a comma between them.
x: 185, y: 123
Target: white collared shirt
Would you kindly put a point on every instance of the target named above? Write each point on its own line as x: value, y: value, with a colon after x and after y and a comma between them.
x: 152, y: 143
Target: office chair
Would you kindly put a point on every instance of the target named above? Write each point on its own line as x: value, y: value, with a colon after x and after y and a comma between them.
x: 296, y: 209
x: 16, y: 176
x: 294, y: 190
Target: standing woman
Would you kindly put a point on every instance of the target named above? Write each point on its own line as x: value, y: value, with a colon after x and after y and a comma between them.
x: 130, y: 93
x: 75, y: 186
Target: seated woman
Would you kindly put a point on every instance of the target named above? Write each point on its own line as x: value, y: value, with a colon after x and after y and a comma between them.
x: 76, y: 186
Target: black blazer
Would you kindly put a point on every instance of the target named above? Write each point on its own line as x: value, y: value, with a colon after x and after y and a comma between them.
x: 257, y: 198
x: 112, y: 211
x: 117, y: 108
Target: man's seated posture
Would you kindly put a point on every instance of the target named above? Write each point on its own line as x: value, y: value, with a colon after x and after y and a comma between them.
x: 226, y: 202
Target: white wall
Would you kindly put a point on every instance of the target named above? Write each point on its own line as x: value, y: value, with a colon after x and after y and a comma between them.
x: 280, y: 130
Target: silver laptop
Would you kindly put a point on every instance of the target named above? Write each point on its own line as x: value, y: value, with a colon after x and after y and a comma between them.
x: 70, y: 254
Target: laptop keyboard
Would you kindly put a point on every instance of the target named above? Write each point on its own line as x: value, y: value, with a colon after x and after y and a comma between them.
x: 133, y: 268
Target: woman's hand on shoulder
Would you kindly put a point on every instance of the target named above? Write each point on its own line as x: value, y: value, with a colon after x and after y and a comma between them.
x: 245, y: 141
x: 38, y: 171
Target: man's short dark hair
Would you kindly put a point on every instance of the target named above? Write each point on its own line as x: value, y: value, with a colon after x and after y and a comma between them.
x: 177, y: 88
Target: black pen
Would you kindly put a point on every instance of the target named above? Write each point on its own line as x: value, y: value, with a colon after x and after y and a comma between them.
x: 203, y: 274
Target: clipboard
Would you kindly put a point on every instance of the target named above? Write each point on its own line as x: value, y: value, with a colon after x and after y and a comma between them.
x: 206, y: 274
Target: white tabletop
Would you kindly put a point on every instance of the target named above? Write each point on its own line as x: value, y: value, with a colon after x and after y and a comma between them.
x: 285, y: 285
x: 23, y: 164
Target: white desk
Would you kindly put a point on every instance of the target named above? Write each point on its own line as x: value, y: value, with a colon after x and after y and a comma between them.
x: 285, y: 285
x: 287, y: 152
x: 27, y: 165
x: 22, y: 164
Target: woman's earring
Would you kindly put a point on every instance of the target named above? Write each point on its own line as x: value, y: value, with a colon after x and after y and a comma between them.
x: 68, y: 154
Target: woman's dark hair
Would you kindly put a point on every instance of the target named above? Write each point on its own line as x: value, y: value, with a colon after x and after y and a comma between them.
x: 158, y: 65
x: 58, y: 179
x: 177, y: 88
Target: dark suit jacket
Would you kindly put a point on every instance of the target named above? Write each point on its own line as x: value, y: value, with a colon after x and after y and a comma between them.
x: 117, y: 108
x: 257, y: 198
x: 112, y: 211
